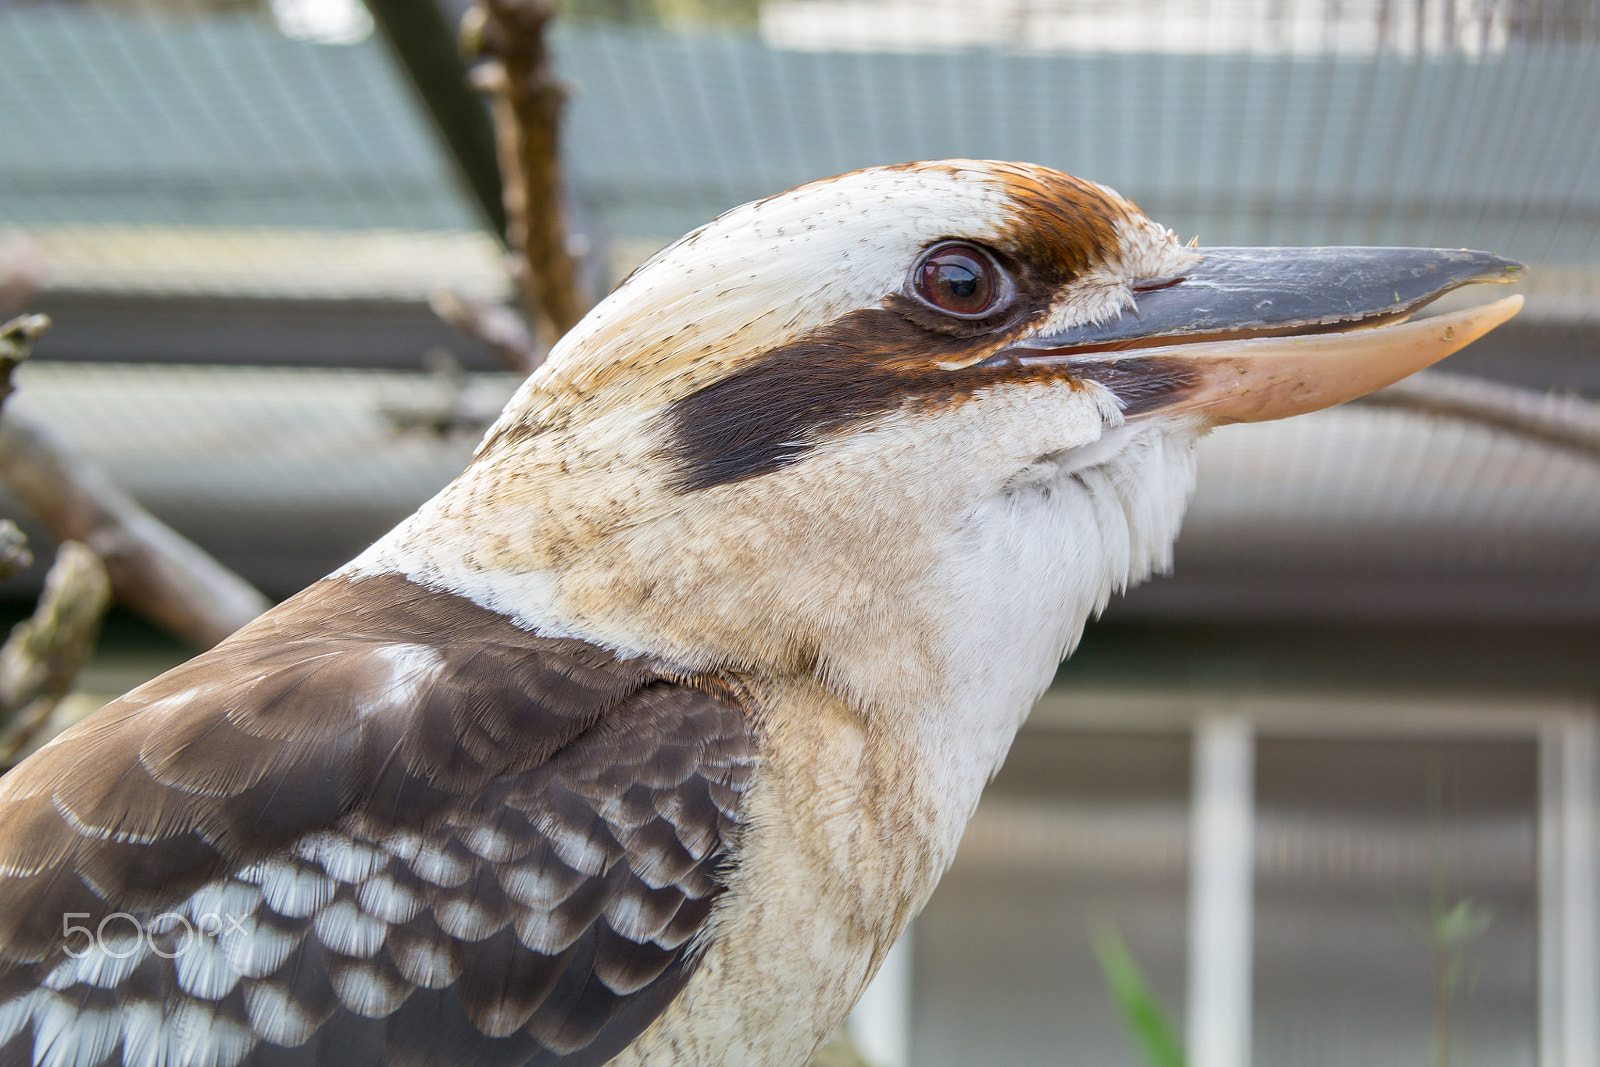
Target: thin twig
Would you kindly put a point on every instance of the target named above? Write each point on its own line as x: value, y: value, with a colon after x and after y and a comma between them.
x: 45, y: 652
x: 15, y: 555
x: 461, y: 404
x: 17, y: 339
x: 1567, y: 422
x: 496, y: 327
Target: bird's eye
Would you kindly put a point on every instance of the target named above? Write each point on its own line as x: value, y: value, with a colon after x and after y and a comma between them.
x: 959, y: 279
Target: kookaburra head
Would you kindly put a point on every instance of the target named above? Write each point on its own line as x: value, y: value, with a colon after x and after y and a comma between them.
x: 907, y: 425
x: 903, y: 430
x: 646, y: 736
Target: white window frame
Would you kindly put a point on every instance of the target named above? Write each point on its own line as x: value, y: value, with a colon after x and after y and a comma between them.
x: 1225, y: 727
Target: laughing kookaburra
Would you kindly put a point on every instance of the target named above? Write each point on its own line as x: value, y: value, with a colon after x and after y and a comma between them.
x: 642, y: 741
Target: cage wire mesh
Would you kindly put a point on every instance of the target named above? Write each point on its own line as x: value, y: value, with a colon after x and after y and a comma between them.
x: 189, y: 149
x: 182, y: 151
x: 174, y: 151
x: 1240, y: 121
x: 1246, y: 122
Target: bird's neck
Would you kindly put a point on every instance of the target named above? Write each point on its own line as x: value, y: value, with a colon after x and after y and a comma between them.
x: 877, y: 790
x: 1036, y: 564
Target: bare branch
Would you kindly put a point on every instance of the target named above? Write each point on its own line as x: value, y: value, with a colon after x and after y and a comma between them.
x: 45, y: 652
x: 461, y: 404
x: 1568, y: 422
x: 17, y: 338
x: 499, y: 329
x: 14, y: 552
x: 154, y: 570
x: 526, y: 100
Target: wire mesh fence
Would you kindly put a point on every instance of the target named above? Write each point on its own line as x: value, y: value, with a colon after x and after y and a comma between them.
x: 169, y: 153
x: 1240, y: 121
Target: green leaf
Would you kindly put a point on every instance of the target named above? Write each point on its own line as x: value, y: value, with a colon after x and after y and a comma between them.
x: 1142, y: 1013
x: 1462, y: 924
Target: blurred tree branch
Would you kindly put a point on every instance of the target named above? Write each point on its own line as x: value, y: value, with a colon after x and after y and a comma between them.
x: 14, y: 554
x: 17, y: 339
x: 526, y: 100
x: 1567, y: 422
x: 423, y: 41
x: 45, y: 652
x: 153, y: 570
x: 498, y: 328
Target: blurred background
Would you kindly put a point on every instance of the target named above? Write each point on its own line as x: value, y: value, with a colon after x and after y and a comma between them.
x: 1333, y: 783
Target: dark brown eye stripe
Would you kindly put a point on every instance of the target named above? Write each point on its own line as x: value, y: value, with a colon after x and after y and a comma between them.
x: 773, y: 412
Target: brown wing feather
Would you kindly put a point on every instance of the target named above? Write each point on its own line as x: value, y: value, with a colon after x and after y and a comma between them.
x: 381, y: 824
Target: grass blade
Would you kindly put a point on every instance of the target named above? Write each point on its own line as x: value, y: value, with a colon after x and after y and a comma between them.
x: 1142, y: 1013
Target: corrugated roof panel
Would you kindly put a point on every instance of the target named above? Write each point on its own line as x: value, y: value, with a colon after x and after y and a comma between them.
x: 215, y: 120
x: 111, y: 118
x: 1498, y: 151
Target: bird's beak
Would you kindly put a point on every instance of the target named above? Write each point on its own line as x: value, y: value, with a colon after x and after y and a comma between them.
x: 1250, y: 334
